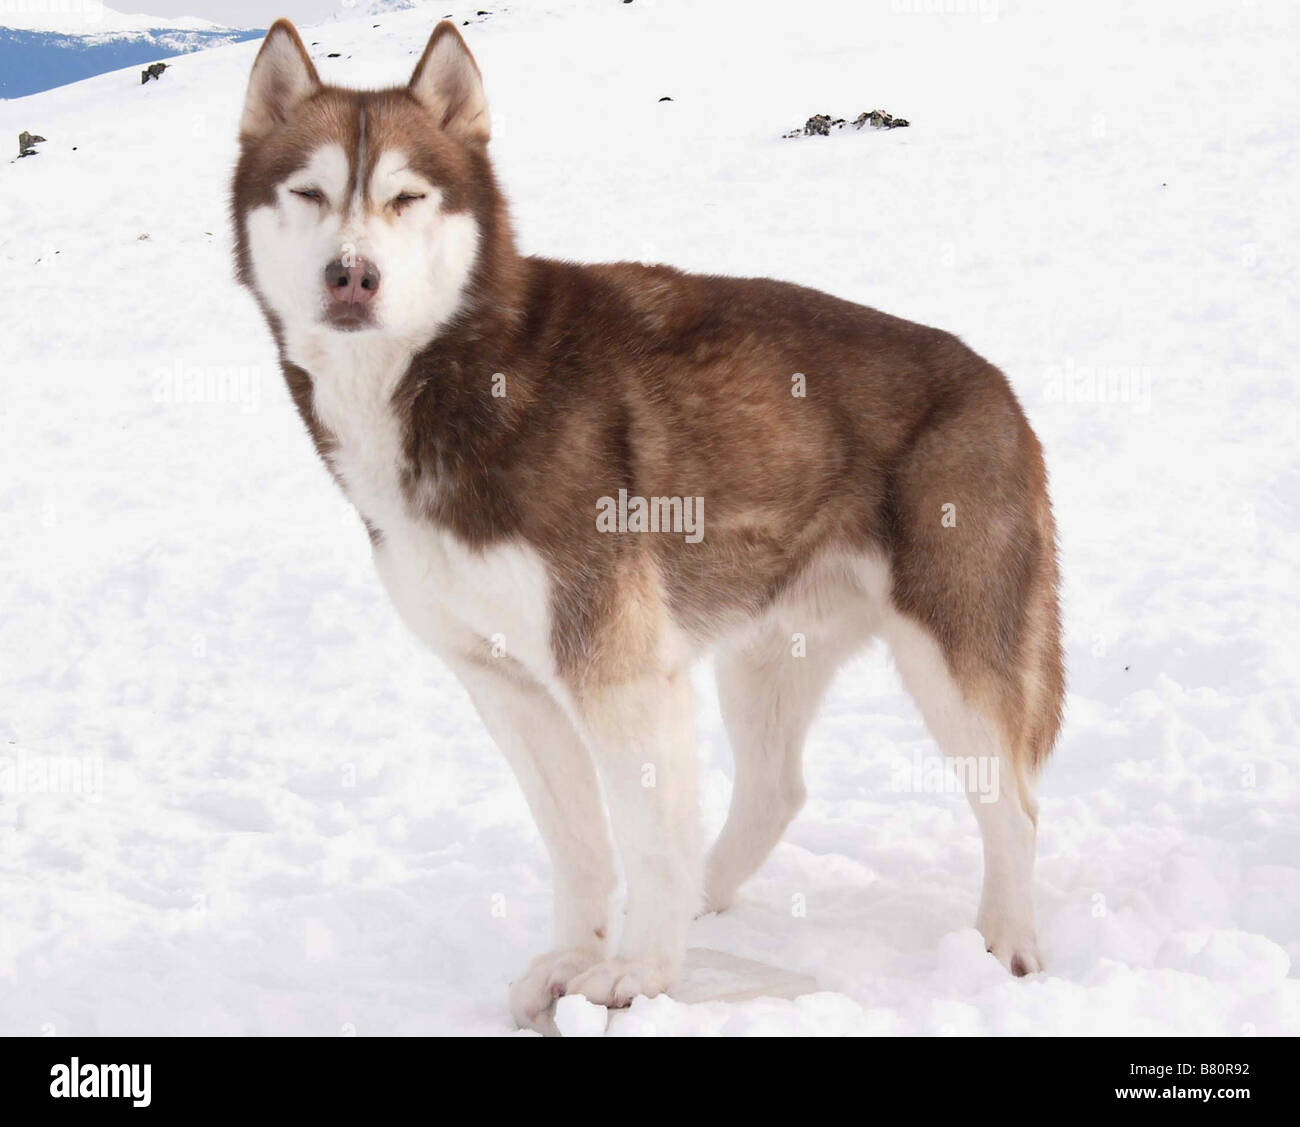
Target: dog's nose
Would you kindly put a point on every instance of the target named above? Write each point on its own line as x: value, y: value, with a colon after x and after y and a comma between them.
x: 353, y: 284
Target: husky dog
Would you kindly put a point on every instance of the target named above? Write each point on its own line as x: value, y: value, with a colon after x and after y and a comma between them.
x: 849, y: 476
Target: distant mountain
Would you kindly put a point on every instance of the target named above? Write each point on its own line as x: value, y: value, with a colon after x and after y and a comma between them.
x: 70, y: 41
x: 359, y: 9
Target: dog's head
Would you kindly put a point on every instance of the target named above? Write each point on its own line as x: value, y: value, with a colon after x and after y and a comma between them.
x: 362, y: 211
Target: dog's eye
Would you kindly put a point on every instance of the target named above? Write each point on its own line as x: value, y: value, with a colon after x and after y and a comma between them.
x: 313, y: 194
x: 403, y: 200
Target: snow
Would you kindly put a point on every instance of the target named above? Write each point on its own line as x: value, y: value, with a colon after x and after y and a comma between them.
x: 290, y: 820
x: 86, y: 16
x: 577, y: 1017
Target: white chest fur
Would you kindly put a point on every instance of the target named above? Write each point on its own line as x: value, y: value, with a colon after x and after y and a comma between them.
x: 450, y: 595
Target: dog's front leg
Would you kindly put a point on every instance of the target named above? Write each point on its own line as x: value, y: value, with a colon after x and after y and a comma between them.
x: 558, y: 778
x: 641, y: 733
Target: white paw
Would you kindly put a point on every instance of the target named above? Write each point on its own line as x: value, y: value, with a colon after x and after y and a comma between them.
x: 615, y: 982
x: 1015, y: 947
x: 533, y: 993
x: 715, y: 901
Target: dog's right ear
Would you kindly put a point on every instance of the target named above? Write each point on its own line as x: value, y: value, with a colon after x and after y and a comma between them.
x: 282, y: 77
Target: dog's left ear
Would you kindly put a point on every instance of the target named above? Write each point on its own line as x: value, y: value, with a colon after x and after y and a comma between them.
x: 447, y: 82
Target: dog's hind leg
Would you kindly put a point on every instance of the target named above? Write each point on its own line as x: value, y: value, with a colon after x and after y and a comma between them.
x: 769, y: 692
x: 1001, y: 797
x: 975, y: 628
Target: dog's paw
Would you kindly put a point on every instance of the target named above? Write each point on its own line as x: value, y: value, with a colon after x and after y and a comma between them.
x: 1024, y: 961
x: 615, y: 982
x: 712, y: 906
x: 716, y: 899
x: 533, y: 993
x: 1015, y: 948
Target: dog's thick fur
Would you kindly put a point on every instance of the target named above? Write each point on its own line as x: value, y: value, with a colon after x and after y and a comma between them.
x: 861, y: 477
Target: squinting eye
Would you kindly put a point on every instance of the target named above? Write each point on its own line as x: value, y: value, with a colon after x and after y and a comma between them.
x: 313, y: 194
x: 404, y: 200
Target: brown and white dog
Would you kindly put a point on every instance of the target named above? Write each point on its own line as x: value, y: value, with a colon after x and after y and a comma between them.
x: 533, y: 445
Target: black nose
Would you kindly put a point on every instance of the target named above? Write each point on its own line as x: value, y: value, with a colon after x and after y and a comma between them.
x: 354, y: 284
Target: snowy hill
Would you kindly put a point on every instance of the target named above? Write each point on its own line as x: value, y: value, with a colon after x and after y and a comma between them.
x: 47, y: 45
x: 289, y: 820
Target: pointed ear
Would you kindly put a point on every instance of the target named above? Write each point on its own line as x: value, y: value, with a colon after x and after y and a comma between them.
x: 282, y: 77
x: 446, y: 81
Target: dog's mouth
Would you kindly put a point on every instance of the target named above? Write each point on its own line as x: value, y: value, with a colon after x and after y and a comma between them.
x: 350, y: 318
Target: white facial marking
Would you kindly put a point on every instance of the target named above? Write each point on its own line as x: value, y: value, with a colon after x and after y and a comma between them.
x: 358, y: 195
x: 423, y: 253
x: 291, y: 241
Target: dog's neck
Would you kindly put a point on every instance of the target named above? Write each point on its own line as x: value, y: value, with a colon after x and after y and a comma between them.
x: 459, y: 399
x: 471, y: 388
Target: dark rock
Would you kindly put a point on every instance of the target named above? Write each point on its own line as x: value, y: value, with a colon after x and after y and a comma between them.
x: 878, y: 119
x: 27, y: 143
x: 821, y: 124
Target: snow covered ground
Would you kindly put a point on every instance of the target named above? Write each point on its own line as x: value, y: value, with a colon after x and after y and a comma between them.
x: 288, y: 820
